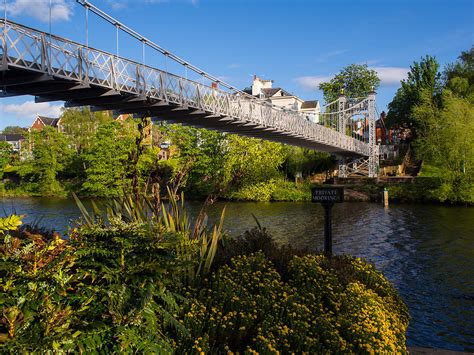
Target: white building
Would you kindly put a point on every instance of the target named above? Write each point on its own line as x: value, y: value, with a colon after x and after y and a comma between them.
x: 277, y: 96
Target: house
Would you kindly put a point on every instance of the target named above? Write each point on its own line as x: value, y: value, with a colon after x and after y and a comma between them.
x: 41, y: 121
x: 15, y: 140
x: 264, y: 89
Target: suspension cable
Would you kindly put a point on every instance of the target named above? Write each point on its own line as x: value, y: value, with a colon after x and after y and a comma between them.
x: 87, y: 26
x: 158, y: 48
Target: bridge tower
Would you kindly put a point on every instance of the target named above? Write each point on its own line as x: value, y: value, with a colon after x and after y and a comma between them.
x: 373, y: 148
x: 367, y: 166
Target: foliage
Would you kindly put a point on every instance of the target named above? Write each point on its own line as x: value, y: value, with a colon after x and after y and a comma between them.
x: 6, y: 152
x: 272, y: 190
x: 14, y: 130
x: 51, y: 157
x: 446, y: 141
x: 459, y: 76
x: 9, y: 223
x: 356, y: 80
x: 106, y: 166
x: 81, y: 126
x: 110, y: 287
x: 216, y: 163
x: 306, y: 161
x: 423, y: 83
x: 343, y: 305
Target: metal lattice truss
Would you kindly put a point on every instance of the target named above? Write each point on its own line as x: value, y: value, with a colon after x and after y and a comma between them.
x: 53, y: 68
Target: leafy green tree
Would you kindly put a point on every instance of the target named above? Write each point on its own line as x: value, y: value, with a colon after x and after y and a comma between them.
x: 250, y: 161
x: 81, y: 126
x: 51, y: 156
x: 14, y: 130
x: 106, y: 161
x: 6, y: 152
x: 446, y: 141
x: 357, y: 80
x: 459, y: 76
x: 423, y: 82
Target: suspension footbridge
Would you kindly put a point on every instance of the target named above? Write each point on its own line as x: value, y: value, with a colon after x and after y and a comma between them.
x: 54, y: 68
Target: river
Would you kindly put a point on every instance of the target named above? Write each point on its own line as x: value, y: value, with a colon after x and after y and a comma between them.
x: 426, y: 251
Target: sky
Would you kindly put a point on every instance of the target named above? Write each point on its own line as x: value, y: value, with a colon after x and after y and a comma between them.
x: 296, y: 43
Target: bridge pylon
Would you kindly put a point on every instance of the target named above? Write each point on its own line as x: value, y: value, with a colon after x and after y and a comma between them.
x: 359, y: 166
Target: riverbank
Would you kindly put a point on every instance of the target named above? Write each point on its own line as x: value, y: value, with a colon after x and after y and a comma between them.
x: 422, y: 189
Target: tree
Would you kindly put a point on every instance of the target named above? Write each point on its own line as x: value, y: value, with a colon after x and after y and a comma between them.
x: 51, y: 156
x: 357, y: 80
x: 459, y: 76
x: 423, y: 82
x: 446, y: 141
x: 81, y: 126
x: 106, y: 161
x: 6, y: 152
x: 14, y: 130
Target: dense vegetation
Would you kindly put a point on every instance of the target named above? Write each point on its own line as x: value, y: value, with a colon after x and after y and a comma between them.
x: 438, y: 109
x: 141, y: 279
x: 98, y: 156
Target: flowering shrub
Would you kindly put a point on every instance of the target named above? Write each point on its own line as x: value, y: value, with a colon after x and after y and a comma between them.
x: 246, y: 306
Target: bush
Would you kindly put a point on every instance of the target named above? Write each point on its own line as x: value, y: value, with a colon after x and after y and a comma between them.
x: 261, y: 192
x: 247, y: 306
x: 273, y: 190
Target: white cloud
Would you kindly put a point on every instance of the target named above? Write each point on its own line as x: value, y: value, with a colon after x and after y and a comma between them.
x: 61, y: 10
x: 29, y: 109
x: 391, y: 76
x: 312, y: 82
x: 234, y: 65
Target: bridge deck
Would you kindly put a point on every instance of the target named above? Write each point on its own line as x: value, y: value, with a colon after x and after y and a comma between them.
x: 53, y: 68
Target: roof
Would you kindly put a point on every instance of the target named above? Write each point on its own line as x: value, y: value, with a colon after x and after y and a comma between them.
x: 309, y: 104
x: 11, y: 137
x: 273, y: 91
x: 48, y: 121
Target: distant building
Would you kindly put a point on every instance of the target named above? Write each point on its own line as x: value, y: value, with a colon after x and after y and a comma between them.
x: 15, y: 140
x: 41, y: 121
x: 279, y: 97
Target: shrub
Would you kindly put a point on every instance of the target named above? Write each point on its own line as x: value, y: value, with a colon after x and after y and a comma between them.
x: 247, y: 306
x: 261, y: 191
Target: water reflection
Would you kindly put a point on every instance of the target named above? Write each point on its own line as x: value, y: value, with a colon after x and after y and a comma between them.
x: 426, y: 251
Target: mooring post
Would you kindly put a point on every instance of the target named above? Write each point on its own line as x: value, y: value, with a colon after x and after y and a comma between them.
x: 328, y: 228
x: 327, y: 196
x: 385, y: 197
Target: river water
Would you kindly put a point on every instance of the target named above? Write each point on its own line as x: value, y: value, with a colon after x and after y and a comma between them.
x: 426, y: 251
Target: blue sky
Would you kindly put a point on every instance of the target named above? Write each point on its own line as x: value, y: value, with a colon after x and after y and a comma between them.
x: 297, y: 43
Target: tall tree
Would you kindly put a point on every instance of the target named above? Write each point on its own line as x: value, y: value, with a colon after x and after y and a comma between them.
x: 446, y: 141
x: 357, y: 80
x: 51, y: 155
x: 423, y: 82
x: 106, y: 161
x: 81, y: 126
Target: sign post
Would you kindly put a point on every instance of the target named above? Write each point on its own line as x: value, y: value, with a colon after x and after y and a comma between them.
x: 327, y: 196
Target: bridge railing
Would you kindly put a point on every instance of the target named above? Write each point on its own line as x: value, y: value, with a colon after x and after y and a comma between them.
x: 30, y: 49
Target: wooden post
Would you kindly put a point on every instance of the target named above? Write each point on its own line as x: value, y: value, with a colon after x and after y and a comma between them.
x: 385, y: 197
